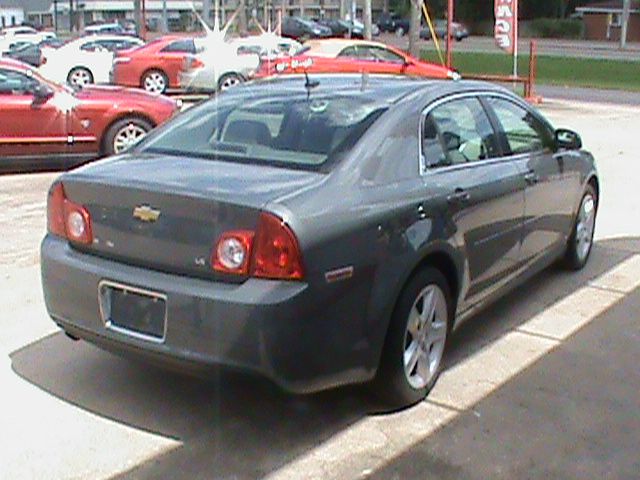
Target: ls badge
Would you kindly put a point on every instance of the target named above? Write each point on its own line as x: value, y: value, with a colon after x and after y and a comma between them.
x: 145, y: 213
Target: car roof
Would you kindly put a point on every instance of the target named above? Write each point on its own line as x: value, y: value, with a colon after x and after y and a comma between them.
x: 385, y: 88
x: 333, y: 46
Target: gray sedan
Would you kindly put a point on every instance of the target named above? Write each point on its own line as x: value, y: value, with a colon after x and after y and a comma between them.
x: 318, y: 231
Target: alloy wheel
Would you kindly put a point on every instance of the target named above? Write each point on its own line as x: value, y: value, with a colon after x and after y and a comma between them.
x: 229, y: 81
x: 425, y: 336
x: 155, y: 82
x: 80, y: 77
x: 127, y: 136
x: 585, y: 226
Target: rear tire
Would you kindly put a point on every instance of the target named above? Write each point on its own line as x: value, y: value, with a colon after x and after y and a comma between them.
x: 416, y: 340
x: 155, y: 81
x: 125, y: 133
x: 229, y: 80
x: 580, y: 242
x: 79, y: 77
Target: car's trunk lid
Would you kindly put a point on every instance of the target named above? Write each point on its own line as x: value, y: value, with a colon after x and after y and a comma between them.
x: 166, y: 213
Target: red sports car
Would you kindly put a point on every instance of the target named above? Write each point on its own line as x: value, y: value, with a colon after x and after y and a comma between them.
x: 42, y: 122
x: 154, y: 66
x: 339, y: 55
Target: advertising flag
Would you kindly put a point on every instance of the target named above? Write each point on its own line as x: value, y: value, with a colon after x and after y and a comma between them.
x: 506, y: 28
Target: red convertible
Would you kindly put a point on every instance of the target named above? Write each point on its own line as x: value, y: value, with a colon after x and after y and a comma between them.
x: 338, y: 55
x: 43, y: 123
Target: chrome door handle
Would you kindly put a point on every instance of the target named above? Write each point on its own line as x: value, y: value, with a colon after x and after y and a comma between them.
x: 459, y: 196
x: 531, y: 178
x: 422, y: 214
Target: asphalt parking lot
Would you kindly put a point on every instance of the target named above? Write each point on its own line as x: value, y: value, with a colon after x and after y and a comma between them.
x: 544, y: 384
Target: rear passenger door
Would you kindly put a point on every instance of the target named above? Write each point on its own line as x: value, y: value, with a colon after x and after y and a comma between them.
x: 549, y: 187
x: 483, y: 193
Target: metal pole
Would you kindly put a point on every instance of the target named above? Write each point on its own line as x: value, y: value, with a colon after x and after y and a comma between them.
x: 366, y: 13
x: 626, y: 12
x: 143, y: 22
x: 55, y: 16
x: 165, y: 19
x: 450, y: 13
x: 515, y: 39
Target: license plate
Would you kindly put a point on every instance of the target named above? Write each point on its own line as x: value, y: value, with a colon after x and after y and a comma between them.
x: 133, y: 311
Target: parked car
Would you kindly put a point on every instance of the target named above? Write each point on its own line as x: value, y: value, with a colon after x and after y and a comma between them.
x: 28, y: 53
x: 43, y: 123
x: 267, y: 45
x: 231, y: 247
x: 85, y: 60
x: 25, y: 34
x: 302, y: 28
x: 342, y: 28
x: 458, y: 30
x: 391, y: 22
x: 353, y: 56
x: 154, y: 66
x: 113, y: 28
x: 217, y: 68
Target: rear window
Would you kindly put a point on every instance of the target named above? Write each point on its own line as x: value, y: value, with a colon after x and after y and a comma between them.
x: 294, y: 131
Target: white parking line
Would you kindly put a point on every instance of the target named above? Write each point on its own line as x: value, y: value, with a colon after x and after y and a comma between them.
x: 374, y: 441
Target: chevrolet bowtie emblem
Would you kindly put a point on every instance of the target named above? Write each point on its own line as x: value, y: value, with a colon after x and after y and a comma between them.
x: 145, y: 213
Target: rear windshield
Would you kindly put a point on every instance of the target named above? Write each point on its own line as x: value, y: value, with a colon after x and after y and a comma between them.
x: 299, y: 131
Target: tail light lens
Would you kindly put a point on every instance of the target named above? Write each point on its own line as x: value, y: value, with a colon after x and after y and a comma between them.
x: 276, y: 253
x: 233, y: 252
x: 191, y: 63
x: 67, y: 219
x: 272, y: 252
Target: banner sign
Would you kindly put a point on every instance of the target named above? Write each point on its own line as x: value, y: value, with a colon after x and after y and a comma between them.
x: 506, y: 28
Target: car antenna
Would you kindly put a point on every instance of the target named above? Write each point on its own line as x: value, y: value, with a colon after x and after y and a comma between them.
x: 309, y: 84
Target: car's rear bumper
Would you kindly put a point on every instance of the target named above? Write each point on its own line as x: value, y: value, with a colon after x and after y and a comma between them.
x: 273, y: 328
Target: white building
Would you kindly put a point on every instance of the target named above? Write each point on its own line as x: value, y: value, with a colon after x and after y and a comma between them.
x: 10, y: 16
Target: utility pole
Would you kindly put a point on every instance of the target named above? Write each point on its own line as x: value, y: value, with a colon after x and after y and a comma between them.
x: 366, y: 14
x: 206, y: 11
x: 626, y: 12
x: 71, y: 16
x: 137, y: 16
x: 55, y: 16
x: 165, y: 19
x: 414, y: 28
x: 343, y: 9
x: 242, y: 17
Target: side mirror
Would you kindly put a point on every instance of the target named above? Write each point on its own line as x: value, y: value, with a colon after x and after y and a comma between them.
x: 567, y: 139
x: 42, y: 93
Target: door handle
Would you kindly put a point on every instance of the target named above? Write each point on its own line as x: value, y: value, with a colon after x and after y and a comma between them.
x: 531, y: 177
x: 422, y: 214
x: 459, y: 196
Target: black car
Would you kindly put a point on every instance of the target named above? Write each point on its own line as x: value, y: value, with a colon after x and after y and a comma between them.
x: 303, y: 28
x: 342, y: 28
x: 26, y: 52
x: 458, y: 30
x: 393, y: 23
x: 320, y: 231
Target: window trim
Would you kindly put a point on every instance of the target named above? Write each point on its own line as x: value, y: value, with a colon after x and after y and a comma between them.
x: 425, y: 171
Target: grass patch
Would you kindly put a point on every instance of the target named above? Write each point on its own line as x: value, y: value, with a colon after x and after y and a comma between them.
x: 579, y: 72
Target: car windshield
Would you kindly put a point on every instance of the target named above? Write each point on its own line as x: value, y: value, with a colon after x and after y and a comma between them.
x: 297, y: 131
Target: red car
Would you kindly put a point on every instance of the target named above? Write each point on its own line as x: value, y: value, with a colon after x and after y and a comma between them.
x: 154, y: 66
x: 43, y: 122
x: 339, y: 55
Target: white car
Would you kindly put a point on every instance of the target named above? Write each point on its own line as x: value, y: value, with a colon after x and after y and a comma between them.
x: 24, y: 34
x: 217, y: 66
x: 85, y: 60
x: 266, y: 45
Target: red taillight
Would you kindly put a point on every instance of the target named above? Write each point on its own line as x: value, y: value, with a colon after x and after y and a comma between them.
x: 55, y: 211
x: 272, y: 252
x: 276, y: 253
x: 191, y: 63
x: 68, y: 219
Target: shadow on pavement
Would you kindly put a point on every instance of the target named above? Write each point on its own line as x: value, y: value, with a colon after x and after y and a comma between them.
x: 237, y: 426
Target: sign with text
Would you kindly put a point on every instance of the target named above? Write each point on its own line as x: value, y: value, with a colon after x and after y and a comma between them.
x: 506, y: 28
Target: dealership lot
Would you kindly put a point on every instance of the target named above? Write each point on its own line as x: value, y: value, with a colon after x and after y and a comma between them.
x: 542, y: 384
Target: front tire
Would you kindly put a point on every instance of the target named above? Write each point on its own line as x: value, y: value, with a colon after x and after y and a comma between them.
x: 416, y: 340
x: 125, y: 133
x: 400, y: 32
x: 581, y: 240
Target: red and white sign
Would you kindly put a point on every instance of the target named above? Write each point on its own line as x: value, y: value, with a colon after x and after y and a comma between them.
x: 506, y: 28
